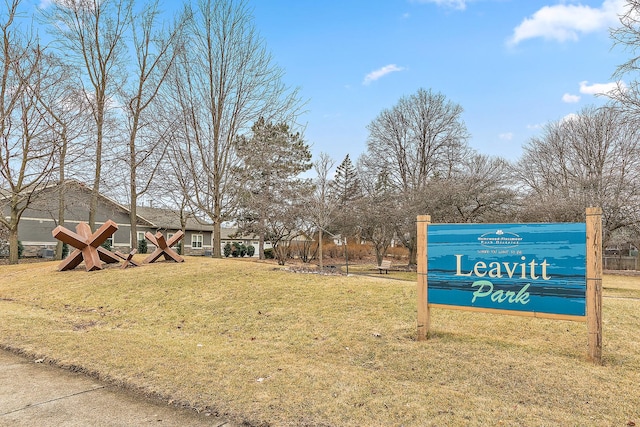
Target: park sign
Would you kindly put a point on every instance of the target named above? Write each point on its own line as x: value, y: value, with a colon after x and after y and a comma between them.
x: 538, y: 268
x: 548, y: 270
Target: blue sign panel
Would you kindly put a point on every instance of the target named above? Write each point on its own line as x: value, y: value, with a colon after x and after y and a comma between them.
x: 537, y: 267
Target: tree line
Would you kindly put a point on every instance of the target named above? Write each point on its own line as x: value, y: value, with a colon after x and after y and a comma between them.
x: 133, y: 102
x: 192, y: 112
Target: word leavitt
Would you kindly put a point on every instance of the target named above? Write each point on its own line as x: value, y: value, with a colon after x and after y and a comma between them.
x: 527, y: 269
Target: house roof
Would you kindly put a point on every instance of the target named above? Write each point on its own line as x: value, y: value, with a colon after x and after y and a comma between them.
x: 147, y: 216
x: 170, y: 219
x: 230, y: 233
x: 80, y: 186
x: 155, y: 217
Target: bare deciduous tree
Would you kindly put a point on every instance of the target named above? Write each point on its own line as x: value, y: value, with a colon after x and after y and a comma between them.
x: 321, y: 206
x: 420, y: 139
x: 378, y: 211
x: 478, y: 191
x: 627, y: 36
x: 65, y: 110
x: 26, y: 154
x: 592, y: 159
x: 92, y: 34
x: 224, y: 83
x: 155, y: 48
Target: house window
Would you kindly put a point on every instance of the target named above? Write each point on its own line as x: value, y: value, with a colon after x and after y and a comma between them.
x: 169, y: 236
x: 196, y: 241
x: 140, y: 235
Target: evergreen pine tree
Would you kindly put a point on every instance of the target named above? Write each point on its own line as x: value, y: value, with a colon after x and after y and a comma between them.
x: 346, y: 184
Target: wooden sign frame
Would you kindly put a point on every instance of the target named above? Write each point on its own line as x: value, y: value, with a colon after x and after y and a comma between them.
x: 593, y: 286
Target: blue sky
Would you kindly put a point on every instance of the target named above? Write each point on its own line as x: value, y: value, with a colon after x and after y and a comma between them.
x: 512, y: 65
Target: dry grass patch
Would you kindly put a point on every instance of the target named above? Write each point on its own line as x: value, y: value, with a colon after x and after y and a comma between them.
x: 262, y: 345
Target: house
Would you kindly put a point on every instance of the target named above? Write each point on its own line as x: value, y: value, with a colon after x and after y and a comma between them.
x: 230, y: 235
x: 41, y: 217
x: 198, y: 234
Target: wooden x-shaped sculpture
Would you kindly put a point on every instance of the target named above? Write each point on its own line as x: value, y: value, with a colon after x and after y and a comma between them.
x: 163, y: 247
x: 128, y: 261
x: 87, y: 245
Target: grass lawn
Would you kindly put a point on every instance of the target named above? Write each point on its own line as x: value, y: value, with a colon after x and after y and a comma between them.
x: 264, y: 346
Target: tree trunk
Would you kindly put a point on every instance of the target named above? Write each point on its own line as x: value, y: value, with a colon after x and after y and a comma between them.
x: 261, y: 239
x: 261, y: 245
x: 133, y: 205
x: 320, y: 248
x: 183, y: 227
x: 216, y: 250
x: 413, y: 251
x: 93, y: 206
x: 133, y: 215
x: 61, y: 194
x: 13, y: 243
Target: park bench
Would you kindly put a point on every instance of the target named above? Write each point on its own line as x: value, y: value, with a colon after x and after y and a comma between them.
x: 384, y: 265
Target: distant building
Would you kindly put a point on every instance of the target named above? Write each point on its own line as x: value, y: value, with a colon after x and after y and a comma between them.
x: 198, y: 234
x: 39, y: 220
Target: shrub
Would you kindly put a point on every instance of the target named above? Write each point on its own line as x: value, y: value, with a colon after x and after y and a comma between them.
x: 359, y: 251
x: 142, y: 246
x: 106, y: 245
x: 227, y: 250
x: 20, y: 249
x: 398, y: 252
x: 268, y: 253
x: 65, y: 250
x: 251, y: 250
x: 238, y: 250
x: 4, y: 241
x: 331, y: 250
x: 282, y: 253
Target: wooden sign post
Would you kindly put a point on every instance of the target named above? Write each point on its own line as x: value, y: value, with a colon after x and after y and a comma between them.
x: 546, y: 270
x: 423, y: 306
x: 594, y: 283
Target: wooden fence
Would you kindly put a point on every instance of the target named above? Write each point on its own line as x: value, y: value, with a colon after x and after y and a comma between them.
x: 620, y: 263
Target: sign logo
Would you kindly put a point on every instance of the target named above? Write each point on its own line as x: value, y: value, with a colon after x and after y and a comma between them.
x: 501, y: 238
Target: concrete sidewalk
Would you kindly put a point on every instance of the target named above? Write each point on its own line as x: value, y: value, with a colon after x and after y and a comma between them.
x: 34, y: 394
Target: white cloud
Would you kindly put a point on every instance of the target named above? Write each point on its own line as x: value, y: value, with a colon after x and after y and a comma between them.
x: 570, y: 99
x: 454, y: 4
x: 381, y: 72
x: 564, y: 22
x: 507, y: 136
x: 70, y: 4
x: 599, y: 88
x: 570, y: 117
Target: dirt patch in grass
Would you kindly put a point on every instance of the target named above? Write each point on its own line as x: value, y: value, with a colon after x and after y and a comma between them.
x: 264, y: 346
